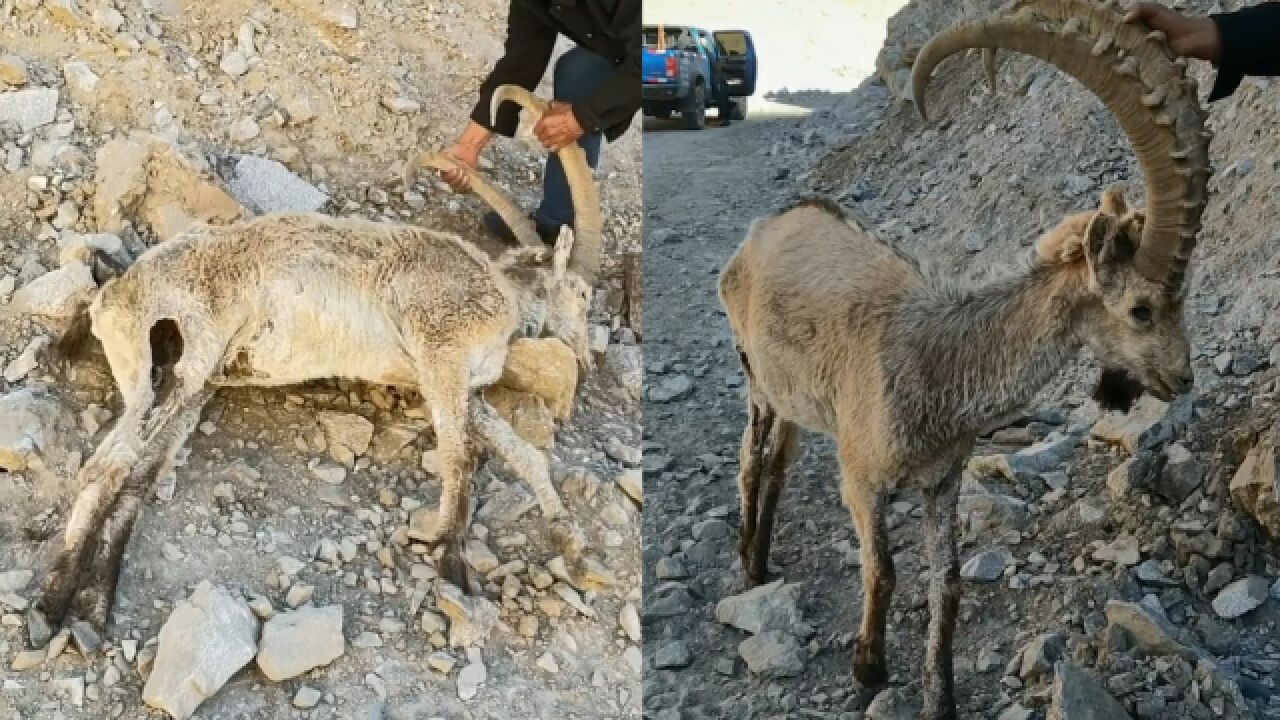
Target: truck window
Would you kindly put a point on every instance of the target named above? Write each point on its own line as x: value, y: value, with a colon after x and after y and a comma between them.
x: 733, y: 43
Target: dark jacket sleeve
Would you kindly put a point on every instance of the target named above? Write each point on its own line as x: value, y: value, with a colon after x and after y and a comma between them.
x: 528, y: 51
x: 1250, y: 46
x: 618, y: 98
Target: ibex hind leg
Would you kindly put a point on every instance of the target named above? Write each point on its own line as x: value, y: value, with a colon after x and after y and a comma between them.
x: 102, y: 479
x: 94, y: 600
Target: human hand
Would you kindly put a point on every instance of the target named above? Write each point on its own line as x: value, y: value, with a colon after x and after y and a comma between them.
x: 466, y: 152
x: 1188, y: 37
x: 558, y: 126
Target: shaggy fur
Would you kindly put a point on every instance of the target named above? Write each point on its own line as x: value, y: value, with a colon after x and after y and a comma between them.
x: 287, y: 298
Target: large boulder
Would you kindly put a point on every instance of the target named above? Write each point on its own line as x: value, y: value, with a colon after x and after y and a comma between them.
x: 527, y: 413
x: 545, y: 367
x: 298, y: 641
x: 35, y: 432
x: 1254, y: 486
x: 57, y: 294
x: 774, y: 606
x: 265, y: 186
x: 1077, y: 695
x: 147, y: 177
x: 206, y: 640
x: 1149, y: 424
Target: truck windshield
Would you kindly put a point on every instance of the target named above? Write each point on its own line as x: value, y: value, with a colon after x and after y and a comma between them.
x: 675, y: 38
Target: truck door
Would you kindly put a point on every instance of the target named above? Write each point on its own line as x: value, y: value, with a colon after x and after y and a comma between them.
x: 739, y: 61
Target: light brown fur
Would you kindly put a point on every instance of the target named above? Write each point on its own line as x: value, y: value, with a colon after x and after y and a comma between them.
x: 841, y: 334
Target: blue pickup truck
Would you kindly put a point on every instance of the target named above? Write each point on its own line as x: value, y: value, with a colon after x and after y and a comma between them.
x: 680, y: 71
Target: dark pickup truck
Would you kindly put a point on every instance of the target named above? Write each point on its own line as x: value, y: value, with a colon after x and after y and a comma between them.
x: 680, y: 71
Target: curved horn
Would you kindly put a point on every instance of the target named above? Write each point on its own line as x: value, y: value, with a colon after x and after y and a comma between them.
x: 1134, y: 74
x: 587, y: 224
x: 506, y: 208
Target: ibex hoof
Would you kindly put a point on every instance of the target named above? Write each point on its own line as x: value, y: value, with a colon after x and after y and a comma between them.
x: 454, y: 569
x: 870, y: 674
x: 39, y: 631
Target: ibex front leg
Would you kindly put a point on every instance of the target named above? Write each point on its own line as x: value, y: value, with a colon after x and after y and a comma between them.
x: 864, y: 493
x: 750, y: 461
x: 448, y: 397
x: 944, y: 597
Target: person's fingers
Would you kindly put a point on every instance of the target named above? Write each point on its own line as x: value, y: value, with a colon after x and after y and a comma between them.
x: 1141, y: 11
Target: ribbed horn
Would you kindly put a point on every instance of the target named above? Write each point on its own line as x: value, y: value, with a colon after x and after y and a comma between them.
x: 587, y: 224
x: 1132, y: 71
x: 506, y: 208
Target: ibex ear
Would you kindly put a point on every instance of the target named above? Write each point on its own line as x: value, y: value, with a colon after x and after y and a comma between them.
x: 1107, y: 241
x: 564, y: 248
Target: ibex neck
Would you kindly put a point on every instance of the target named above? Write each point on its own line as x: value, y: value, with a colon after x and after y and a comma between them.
x: 959, y: 358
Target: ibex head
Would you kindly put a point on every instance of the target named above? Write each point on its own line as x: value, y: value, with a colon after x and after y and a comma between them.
x: 1137, y: 260
x: 1135, y: 328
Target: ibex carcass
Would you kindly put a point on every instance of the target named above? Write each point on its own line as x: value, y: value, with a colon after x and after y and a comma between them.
x: 287, y: 298
x: 839, y: 333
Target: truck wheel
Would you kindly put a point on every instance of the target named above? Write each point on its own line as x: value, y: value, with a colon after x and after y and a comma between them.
x: 695, y: 114
x: 739, y: 111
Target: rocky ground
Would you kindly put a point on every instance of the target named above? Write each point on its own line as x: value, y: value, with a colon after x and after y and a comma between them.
x: 286, y: 540
x: 1118, y: 565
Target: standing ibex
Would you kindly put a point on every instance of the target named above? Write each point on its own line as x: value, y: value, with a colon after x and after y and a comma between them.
x: 287, y: 298
x: 839, y: 333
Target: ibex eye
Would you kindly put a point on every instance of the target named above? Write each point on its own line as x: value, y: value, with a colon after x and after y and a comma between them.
x: 1141, y: 314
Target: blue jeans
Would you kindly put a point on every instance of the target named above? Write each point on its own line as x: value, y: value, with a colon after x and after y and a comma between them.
x: 577, y: 75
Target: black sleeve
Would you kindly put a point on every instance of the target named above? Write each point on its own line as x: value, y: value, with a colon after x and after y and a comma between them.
x: 1249, y: 46
x: 618, y: 98
x: 528, y: 51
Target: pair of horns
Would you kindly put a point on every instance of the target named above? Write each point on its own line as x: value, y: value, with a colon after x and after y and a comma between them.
x: 1132, y: 70
x: 585, y: 259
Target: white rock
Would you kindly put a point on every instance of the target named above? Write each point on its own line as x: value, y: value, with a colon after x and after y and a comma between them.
x: 206, y: 640
x: 768, y: 607
x: 402, y: 105
x: 11, y: 581
x: 631, y: 482
x: 266, y: 186
x: 234, y: 63
x: 306, y: 698
x: 27, y: 360
x: 471, y: 677
x: 348, y: 435
x: 76, y: 247
x: 295, y: 642
x: 987, y: 565
x: 82, y: 81
x: 629, y: 621
x: 1240, y: 597
x: 29, y: 109
x: 243, y: 130
x: 471, y: 619
x: 59, y: 293
x: 13, y: 70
